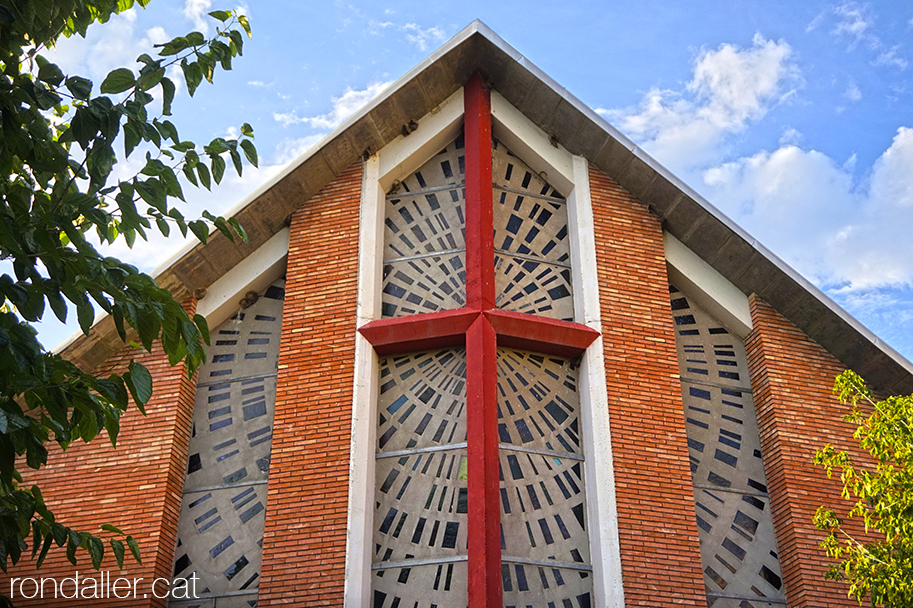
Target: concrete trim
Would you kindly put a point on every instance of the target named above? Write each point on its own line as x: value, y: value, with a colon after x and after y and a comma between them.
x: 529, y: 142
x: 256, y: 272
x: 602, y: 509
x: 435, y: 130
x: 709, y: 289
x: 357, y: 590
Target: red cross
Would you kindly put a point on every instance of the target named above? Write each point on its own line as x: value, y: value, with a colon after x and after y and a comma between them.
x: 481, y: 328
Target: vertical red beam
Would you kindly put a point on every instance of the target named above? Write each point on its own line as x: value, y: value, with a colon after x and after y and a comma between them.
x: 480, y: 256
x: 481, y: 360
x: 482, y: 454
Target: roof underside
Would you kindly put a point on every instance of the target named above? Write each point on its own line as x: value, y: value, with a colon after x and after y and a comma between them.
x: 687, y: 216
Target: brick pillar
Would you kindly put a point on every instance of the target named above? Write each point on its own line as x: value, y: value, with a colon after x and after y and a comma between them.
x: 307, y: 502
x: 136, y: 486
x: 792, y: 377
x: 660, y: 553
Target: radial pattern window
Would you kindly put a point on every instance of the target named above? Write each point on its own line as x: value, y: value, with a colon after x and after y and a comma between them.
x: 220, y: 531
x: 479, y: 486
x: 738, y: 546
x: 424, y: 242
x: 532, y: 253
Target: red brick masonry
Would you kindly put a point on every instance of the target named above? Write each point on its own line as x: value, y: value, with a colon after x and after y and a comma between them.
x: 305, y: 537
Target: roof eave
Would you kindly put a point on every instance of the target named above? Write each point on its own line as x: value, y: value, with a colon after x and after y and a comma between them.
x: 683, y: 212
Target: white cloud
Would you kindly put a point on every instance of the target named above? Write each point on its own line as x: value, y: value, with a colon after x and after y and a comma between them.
x: 730, y: 88
x: 847, y: 233
x: 343, y: 107
x: 854, y: 21
x: 891, y: 57
x: 290, y: 149
x: 790, y: 136
x: 197, y: 11
x: 811, y: 212
x: 852, y: 92
x: 423, y: 37
x: 106, y: 48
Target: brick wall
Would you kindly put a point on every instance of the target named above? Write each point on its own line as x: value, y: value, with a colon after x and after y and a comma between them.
x: 136, y: 487
x: 660, y: 554
x: 304, y: 540
x: 792, y: 378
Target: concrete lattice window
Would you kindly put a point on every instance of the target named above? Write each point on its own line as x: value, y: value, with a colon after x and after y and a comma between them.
x: 220, y: 530
x: 738, y: 544
x: 479, y: 475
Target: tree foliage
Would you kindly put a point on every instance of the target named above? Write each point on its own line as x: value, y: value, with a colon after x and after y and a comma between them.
x: 58, y: 136
x: 882, y: 491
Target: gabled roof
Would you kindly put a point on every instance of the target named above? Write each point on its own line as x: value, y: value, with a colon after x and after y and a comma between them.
x: 685, y: 214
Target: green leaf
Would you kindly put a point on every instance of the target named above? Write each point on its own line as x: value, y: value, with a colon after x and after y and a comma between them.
x: 249, y: 151
x: 247, y: 130
x: 173, y: 46
x: 222, y: 16
x: 46, y: 99
x: 139, y: 382
x: 203, y: 172
x: 148, y: 326
x: 245, y: 24
x: 189, y: 174
x: 118, y: 548
x: 203, y: 326
x: 85, y: 314
x: 110, y: 528
x: 134, y: 549
x: 81, y: 88
x: 147, y: 82
x: 73, y: 542
x: 200, y: 229
x: 167, y: 95
x: 58, y: 305
x: 50, y: 74
x: 167, y: 129
x: 118, y: 81
x: 237, y: 41
x: 218, y: 168
x: 236, y: 160
x: 96, y: 551
x: 195, y: 38
x: 193, y: 75
x: 239, y: 229
x: 44, y: 551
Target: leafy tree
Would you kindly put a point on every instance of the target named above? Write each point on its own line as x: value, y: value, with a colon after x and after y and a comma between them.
x: 58, y: 134
x: 880, y: 569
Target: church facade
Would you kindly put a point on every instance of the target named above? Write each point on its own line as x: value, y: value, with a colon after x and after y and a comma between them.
x: 481, y: 350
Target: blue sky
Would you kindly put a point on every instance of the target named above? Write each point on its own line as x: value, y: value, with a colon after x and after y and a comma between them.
x: 795, y: 119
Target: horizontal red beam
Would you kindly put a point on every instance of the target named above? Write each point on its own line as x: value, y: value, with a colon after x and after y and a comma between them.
x: 419, y: 332
x: 540, y: 334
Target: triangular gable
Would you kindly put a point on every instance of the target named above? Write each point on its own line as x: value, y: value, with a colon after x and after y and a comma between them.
x: 687, y: 216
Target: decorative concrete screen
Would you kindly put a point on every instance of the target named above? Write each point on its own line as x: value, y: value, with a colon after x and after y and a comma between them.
x: 424, y: 242
x: 532, y: 253
x: 424, y: 505
x: 738, y: 546
x: 220, y: 533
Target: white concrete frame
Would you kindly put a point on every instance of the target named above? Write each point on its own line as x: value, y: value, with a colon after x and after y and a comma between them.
x: 256, y: 272
x: 569, y: 174
x: 710, y: 290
